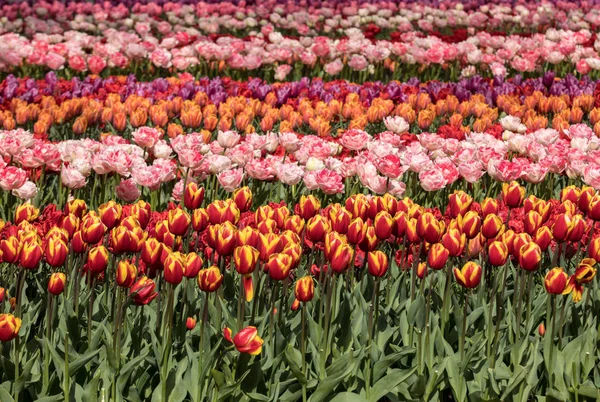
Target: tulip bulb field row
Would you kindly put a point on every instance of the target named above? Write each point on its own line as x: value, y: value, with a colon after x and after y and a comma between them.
x: 312, y: 200
x: 495, y: 299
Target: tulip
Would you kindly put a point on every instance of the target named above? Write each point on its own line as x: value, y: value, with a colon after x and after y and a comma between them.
x: 193, y: 264
x: 543, y: 237
x: 246, y: 341
x: 492, y: 226
x: 110, y: 213
x: 341, y: 258
x: 459, y: 203
x: 400, y: 224
x: 142, y: 211
x: 579, y: 228
x: 120, y: 239
x: 383, y: 224
x: 438, y: 256
x: 562, y: 228
x: 92, y: 228
x: 243, y: 198
x: 489, y: 206
x: 193, y: 196
x: 10, y: 249
x: 125, y: 274
x: 246, y: 236
x: 2, y: 295
x: 222, y: 211
x: 594, y: 208
x: 357, y: 205
x: 200, y: 219
x: 294, y: 223
x: 531, y: 222
x: 173, y: 268
x: 225, y: 241
x: 31, y: 254
x: 308, y: 206
x: 585, y: 271
x: 542, y: 329
x: 556, y: 281
x: 280, y: 215
x: 97, y: 260
x: 268, y: 244
x: 570, y: 193
x: 574, y: 288
x: 340, y: 219
x: 594, y: 248
x: 71, y: 224
x: 469, y: 276
x: 356, y: 231
x: 142, y: 291
x: 305, y: 289
x: 245, y: 258
x: 421, y: 270
x: 56, y: 283
x: 9, y: 327
x: 190, y: 323
x: 76, y: 207
x: 316, y: 228
x: 210, y: 279
x: 57, y: 234
x: 530, y: 256
x: 454, y: 241
x: 77, y: 244
x: 369, y: 240
x: 295, y: 252
x: 470, y: 224
x: 178, y: 221
x: 279, y: 266
x: 266, y: 226
x: 332, y: 240
x: 378, y: 263
x: 26, y: 213
x: 429, y: 228
x: 497, y: 253
x: 513, y: 194
x: 585, y: 197
x: 151, y: 251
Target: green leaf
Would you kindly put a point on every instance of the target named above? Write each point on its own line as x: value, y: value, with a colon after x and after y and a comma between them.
x: 336, y: 373
x: 389, y: 383
x: 348, y: 397
x: 456, y: 378
x: 81, y: 361
x: 257, y: 397
x: 292, y: 357
x: 382, y: 365
x: 5, y: 396
x: 416, y: 312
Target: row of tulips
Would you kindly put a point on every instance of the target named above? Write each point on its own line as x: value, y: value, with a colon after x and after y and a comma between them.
x: 307, y: 18
x: 270, y: 55
x: 287, y: 164
x: 49, y: 110
x: 487, y: 298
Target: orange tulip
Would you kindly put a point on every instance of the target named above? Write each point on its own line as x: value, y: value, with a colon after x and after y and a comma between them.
x: 56, y: 283
x: 556, y: 281
x: 469, y: 276
x: 193, y: 196
x: 305, y: 289
x: 378, y: 263
x: 9, y: 327
x: 246, y: 341
x: 210, y: 279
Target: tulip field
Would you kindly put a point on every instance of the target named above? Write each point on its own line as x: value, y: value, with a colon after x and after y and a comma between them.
x: 314, y: 200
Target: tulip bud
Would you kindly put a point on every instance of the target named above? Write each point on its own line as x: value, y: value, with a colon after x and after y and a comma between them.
x: 246, y: 341
x: 56, y: 252
x: 489, y: 206
x: 142, y: 211
x: 400, y: 224
x: 294, y: 223
x: 200, y: 219
x: 120, y: 239
x: 356, y: 231
x: 357, y: 205
x: 470, y: 224
x: 173, y: 268
x: 279, y: 266
x: 92, y: 228
x: 542, y: 329
x: 579, y: 228
x: 280, y: 215
x: 221, y: 211
x: 556, y: 281
x: 469, y: 276
x: 209, y: 279
x: 305, y: 289
x: 190, y: 323
x: 492, y: 226
x: 2, y: 295
x: 193, y: 264
x: 429, y: 228
x: 31, y: 254
x: 10, y: 250
x: 110, y: 213
x: 178, y: 221
x: 97, y: 259
x: 459, y: 203
x: 341, y: 258
x: 530, y: 256
x: 438, y: 256
x: 193, y: 196
x: 543, y: 237
x: 56, y: 283
x: 497, y: 253
x: 26, y: 213
x: 454, y: 241
x: 142, y: 291
x: 77, y: 243
x: 513, y: 194
x: 378, y: 263
x: 295, y: 252
x: 151, y: 250
x: 266, y: 226
x: 383, y: 224
x: 245, y: 259
x: 369, y: 240
x: 308, y: 206
x: 225, y: 240
x: 125, y: 274
x: 316, y: 228
x: 76, y: 207
x: 340, y: 220
x: 421, y: 270
x: 585, y: 271
x: 531, y: 222
x: 243, y: 198
x: 562, y: 228
x: 9, y: 327
x: 571, y: 193
x: 594, y: 248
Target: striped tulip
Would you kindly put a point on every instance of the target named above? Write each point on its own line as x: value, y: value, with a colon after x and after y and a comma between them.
x: 210, y: 279
x: 9, y: 327
x: 56, y: 283
x: 469, y: 276
x: 556, y: 281
x: 378, y: 263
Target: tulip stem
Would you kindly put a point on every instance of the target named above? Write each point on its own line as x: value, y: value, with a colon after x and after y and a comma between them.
x: 202, y: 320
x: 17, y: 357
x: 529, y: 295
x: 520, y: 307
x: 66, y: 385
x: 167, y: 342
x: 464, y: 328
x: 240, y: 310
x: 272, y: 320
x: 90, y: 307
x: 562, y: 321
x: 372, y: 321
x: 46, y: 380
x: 445, y: 301
x: 303, y: 349
x: 552, y: 345
x: 414, y: 271
x: 499, y: 317
x: 330, y: 280
x: 77, y: 277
